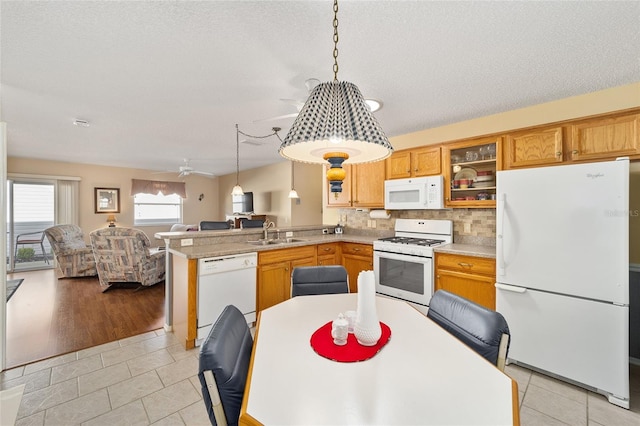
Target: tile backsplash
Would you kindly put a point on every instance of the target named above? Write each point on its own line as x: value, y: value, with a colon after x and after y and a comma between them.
x: 482, y: 221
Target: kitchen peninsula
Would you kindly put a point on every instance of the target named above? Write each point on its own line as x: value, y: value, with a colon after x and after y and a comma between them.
x: 285, y: 249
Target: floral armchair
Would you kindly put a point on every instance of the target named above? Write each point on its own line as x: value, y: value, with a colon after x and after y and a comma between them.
x: 74, y: 256
x: 124, y: 255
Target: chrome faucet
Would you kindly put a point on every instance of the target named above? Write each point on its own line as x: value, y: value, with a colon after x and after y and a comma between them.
x: 266, y: 225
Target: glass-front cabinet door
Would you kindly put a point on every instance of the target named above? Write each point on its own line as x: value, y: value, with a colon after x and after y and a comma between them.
x: 470, y: 172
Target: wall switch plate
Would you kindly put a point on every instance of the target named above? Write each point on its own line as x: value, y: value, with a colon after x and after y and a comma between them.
x: 186, y: 242
x: 467, y: 228
x: 288, y: 234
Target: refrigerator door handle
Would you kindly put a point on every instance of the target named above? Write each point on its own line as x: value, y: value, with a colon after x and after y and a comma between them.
x: 511, y: 288
x: 500, y: 254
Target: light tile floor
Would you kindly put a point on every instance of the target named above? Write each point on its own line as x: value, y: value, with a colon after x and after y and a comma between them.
x: 152, y: 379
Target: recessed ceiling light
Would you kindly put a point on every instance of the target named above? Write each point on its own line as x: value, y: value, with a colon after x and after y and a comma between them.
x: 373, y: 104
x: 81, y: 123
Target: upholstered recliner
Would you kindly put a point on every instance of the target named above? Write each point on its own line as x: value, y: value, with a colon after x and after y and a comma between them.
x: 74, y: 256
x: 123, y: 255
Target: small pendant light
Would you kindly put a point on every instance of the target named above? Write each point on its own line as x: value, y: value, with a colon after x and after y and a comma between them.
x: 293, y: 193
x: 237, y: 190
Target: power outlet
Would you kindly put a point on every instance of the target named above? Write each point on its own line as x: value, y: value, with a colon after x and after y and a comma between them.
x: 373, y: 223
x: 368, y: 224
x: 288, y: 234
x: 467, y: 228
x: 186, y: 242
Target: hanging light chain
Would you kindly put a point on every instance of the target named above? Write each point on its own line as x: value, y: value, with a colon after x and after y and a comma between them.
x: 237, y: 156
x: 335, y: 40
x: 240, y: 132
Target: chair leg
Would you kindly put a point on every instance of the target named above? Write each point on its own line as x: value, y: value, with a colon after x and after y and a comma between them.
x: 502, y: 352
x: 44, y: 254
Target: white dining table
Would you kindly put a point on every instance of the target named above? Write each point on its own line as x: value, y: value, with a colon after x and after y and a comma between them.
x: 422, y: 376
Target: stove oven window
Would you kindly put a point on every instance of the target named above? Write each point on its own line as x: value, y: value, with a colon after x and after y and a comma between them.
x: 402, y: 275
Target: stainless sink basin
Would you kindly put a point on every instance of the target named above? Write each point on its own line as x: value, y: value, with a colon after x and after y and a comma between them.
x: 263, y: 242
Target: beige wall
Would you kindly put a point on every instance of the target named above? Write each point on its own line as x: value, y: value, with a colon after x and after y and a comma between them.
x: 271, y: 185
x: 93, y: 176
x: 617, y: 98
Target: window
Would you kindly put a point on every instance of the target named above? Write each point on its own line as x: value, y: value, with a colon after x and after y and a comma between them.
x: 157, y: 209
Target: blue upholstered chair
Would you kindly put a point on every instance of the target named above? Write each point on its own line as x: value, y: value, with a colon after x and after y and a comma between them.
x: 311, y: 280
x: 224, y: 366
x: 483, y: 330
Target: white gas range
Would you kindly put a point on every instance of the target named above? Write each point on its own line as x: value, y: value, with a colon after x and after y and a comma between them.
x: 403, y: 264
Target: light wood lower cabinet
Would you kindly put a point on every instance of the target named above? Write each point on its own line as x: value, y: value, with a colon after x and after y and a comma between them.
x: 468, y: 276
x: 329, y: 254
x: 274, y: 273
x: 356, y: 258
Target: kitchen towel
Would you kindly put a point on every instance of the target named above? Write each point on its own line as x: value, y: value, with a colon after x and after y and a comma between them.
x: 379, y: 214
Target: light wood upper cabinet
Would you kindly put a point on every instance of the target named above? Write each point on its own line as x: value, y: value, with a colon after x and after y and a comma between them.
x: 533, y: 148
x: 362, y: 187
x: 367, y: 185
x: 415, y: 162
x: 607, y: 137
x: 470, y: 158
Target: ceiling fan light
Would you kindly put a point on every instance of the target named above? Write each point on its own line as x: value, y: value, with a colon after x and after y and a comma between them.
x: 335, y: 110
x: 373, y: 104
x: 237, y: 190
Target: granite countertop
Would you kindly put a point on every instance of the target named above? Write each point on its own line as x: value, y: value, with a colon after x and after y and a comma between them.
x: 467, y: 250
x: 224, y: 249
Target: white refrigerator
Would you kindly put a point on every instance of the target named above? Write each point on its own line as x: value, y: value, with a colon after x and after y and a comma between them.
x: 563, y: 272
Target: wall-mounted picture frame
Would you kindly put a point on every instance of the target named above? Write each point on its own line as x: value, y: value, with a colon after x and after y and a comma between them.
x: 107, y: 200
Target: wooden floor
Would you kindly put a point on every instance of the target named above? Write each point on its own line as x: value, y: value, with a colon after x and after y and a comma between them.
x: 48, y: 317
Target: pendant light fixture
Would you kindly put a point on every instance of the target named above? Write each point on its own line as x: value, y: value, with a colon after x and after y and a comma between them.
x: 335, y: 125
x: 237, y: 190
x: 293, y: 193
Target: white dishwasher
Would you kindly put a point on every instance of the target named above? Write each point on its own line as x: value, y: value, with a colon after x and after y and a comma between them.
x: 222, y: 281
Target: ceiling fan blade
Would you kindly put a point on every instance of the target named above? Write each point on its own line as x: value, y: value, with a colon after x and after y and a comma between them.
x: 196, y: 172
x: 279, y: 117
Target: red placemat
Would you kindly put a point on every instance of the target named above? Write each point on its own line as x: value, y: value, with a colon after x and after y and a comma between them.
x: 322, y: 343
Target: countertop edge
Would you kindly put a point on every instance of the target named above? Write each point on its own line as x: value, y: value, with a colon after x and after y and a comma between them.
x: 488, y: 252
x: 226, y: 249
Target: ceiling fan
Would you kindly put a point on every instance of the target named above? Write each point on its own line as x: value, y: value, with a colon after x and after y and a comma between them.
x: 373, y: 104
x: 187, y: 170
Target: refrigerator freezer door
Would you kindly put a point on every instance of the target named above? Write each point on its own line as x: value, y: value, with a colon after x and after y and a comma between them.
x: 565, y: 229
x: 578, y: 339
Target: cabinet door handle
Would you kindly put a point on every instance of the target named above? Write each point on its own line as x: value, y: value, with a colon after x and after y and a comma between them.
x: 416, y: 170
x: 574, y: 152
x: 465, y: 264
x: 559, y: 154
x: 326, y: 249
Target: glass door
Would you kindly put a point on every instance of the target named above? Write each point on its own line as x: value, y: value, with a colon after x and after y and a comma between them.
x: 30, y: 210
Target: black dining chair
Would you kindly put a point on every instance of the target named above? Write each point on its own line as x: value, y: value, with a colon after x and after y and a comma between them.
x: 313, y: 280
x: 483, y: 330
x: 224, y: 366
x: 206, y: 225
x: 248, y: 223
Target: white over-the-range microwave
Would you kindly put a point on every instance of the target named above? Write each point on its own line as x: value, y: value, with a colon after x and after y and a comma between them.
x: 414, y: 193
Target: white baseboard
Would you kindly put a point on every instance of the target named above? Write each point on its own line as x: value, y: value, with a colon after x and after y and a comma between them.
x: 168, y: 328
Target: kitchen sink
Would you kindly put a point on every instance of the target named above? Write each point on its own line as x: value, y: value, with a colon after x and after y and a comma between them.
x: 263, y: 242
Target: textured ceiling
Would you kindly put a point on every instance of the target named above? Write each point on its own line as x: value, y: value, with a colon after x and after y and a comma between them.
x: 163, y: 81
